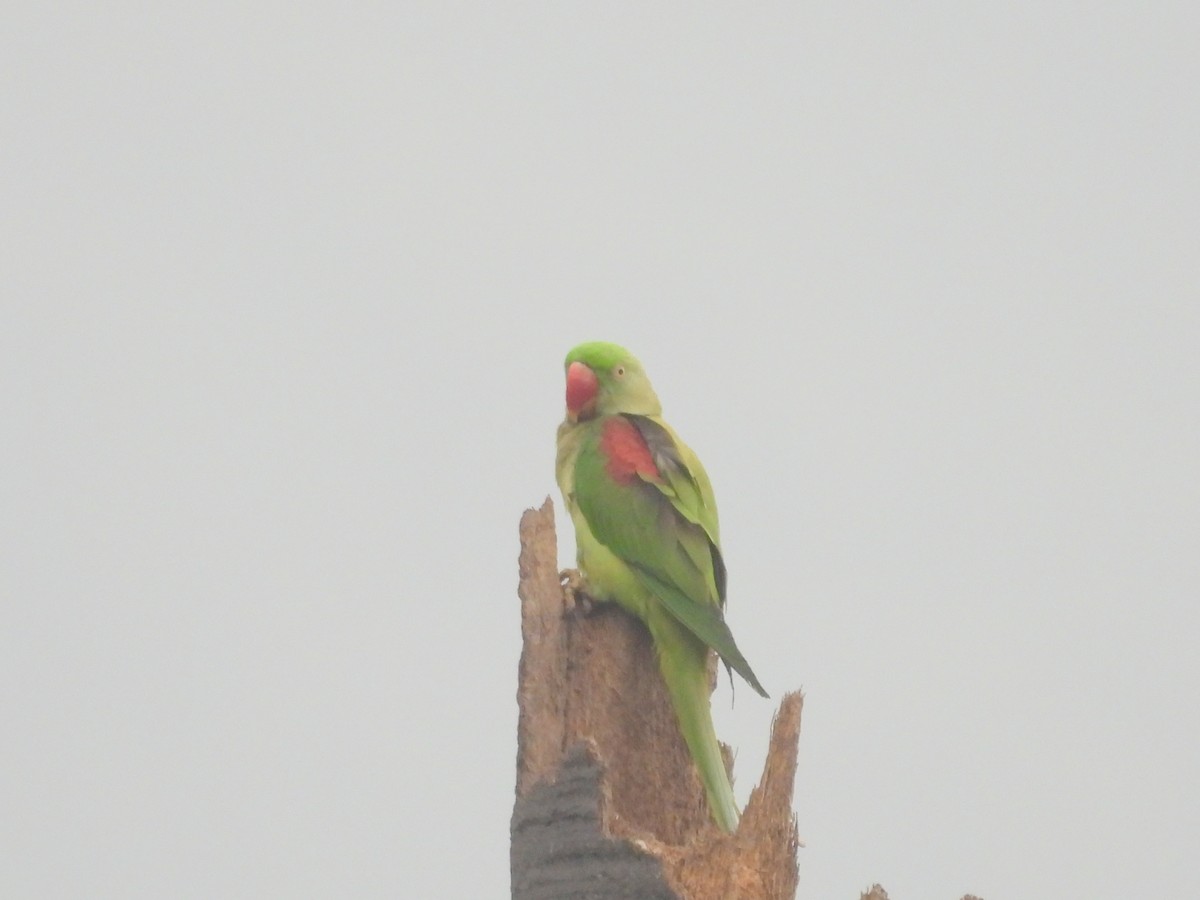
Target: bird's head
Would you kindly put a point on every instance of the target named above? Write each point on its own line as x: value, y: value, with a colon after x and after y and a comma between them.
x: 604, y: 379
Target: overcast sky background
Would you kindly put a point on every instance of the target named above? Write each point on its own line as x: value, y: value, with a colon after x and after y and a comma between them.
x: 286, y: 293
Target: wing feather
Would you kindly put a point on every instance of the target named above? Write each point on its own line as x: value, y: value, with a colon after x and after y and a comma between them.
x: 663, y: 525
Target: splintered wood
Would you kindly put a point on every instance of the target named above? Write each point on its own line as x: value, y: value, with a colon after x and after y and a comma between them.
x: 608, y: 802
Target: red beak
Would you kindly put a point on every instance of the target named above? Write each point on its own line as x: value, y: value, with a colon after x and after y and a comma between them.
x: 582, y: 386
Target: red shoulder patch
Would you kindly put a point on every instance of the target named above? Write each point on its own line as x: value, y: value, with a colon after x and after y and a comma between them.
x: 628, y: 455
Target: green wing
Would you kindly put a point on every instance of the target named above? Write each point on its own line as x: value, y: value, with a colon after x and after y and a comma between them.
x: 685, y: 484
x: 665, y: 530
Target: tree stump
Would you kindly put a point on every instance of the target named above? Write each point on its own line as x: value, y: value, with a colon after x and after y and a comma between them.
x: 608, y: 803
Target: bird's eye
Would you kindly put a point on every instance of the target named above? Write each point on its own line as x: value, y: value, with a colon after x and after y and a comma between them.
x: 620, y: 371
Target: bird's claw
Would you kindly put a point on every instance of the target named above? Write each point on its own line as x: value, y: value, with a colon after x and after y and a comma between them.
x: 574, y: 587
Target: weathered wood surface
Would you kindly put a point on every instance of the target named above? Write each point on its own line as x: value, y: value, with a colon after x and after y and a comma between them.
x: 608, y: 803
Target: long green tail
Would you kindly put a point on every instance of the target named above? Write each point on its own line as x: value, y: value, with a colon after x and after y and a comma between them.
x: 684, y: 664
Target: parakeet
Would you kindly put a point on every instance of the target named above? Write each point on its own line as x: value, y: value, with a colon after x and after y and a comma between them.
x: 647, y: 538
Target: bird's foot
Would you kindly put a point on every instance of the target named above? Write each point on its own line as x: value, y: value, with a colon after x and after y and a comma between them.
x: 579, y: 601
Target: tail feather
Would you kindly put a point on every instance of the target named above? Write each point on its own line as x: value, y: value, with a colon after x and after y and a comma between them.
x: 684, y: 665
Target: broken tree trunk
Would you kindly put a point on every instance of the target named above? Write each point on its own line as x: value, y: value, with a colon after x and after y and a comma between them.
x: 608, y: 803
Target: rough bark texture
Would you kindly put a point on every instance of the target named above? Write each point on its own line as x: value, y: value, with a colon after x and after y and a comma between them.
x: 608, y: 802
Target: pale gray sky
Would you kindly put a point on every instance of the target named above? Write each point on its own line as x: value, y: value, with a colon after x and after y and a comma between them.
x: 286, y: 293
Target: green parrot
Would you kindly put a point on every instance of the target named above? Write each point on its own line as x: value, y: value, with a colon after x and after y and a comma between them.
x: 647, y: 538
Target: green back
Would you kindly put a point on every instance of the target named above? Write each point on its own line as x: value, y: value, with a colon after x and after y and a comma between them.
x: 665, y: 529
